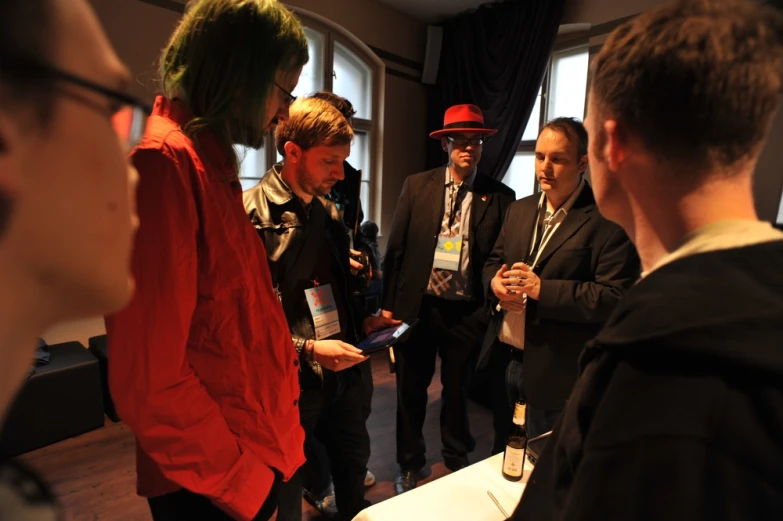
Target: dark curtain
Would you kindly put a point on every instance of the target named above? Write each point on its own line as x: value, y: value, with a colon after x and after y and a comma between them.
x: 494, y: 57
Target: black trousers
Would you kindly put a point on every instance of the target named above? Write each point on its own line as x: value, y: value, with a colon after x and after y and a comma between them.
x: 184, y: 505
x: 452, y: 330
x: 334, y: 417
x: 316, y: 472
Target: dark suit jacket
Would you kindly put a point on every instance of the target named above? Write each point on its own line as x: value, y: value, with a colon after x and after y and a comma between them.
x: 585, y: 268
x: 414, y: 237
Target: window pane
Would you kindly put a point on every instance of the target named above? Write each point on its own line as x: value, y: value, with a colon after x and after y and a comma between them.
x: 521, y: 174
x: 248, y: 182
x: 360, y: 153
x: 365, y: 197
x: 568, y: 86
x: 252, y: 162
x: 780, y: 212
x: 531, y: 130
x: 312, y: 79
x: 360, y: 159
x: 353, y: 80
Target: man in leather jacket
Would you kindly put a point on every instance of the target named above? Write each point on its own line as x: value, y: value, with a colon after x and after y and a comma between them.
x: 308, y: 252
x: 345, y: 195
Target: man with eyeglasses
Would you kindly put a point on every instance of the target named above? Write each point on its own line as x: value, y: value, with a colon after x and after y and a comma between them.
x: 67, y: 215
x: 203, y: 370
x: 444, y: 227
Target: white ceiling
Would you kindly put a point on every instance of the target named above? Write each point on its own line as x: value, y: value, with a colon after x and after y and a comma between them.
x: 432, y: 10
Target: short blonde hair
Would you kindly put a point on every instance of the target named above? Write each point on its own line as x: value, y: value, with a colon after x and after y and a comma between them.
x: 313, y: 122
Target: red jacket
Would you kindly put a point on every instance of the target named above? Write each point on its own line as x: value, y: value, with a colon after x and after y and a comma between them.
x: 202, y: 368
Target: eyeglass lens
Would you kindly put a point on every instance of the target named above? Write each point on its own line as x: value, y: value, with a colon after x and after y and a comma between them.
x: 463, y: 141
x: 129, y: 123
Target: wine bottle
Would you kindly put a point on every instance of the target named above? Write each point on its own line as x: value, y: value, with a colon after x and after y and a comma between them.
x: 516, y: 445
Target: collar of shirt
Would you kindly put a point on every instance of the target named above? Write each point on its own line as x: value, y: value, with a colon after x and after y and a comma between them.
x: 206, y: 139
x: 468, y: 181
x: 720, y: 235
x: 566, y: 207
x: 280, y: 193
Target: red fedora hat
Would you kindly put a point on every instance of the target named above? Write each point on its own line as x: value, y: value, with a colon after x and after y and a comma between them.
x: 463, y: 118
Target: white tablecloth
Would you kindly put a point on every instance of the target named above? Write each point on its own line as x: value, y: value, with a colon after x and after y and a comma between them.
x: 460, y: 496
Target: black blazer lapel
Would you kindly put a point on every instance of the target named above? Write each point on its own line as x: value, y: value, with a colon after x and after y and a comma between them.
x: 480, y: 204
x: 580, y: 213
x: 434, y: 197
x: 522, y: 231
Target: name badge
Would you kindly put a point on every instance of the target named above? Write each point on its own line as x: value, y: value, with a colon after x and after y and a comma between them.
x: 320, y: 299
x: 448, y: 252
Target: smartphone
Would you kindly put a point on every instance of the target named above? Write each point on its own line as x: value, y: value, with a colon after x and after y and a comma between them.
x: 384, y: 338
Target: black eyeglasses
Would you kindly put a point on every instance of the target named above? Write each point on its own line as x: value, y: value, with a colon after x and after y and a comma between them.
x: 465, y: 141
x: 128, y: 119
x: 289, y: 98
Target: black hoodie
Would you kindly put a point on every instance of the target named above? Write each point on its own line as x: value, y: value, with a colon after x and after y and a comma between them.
x: 678, y: 412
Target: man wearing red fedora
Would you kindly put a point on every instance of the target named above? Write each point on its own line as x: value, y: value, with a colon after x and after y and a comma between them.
x: 444, y: 228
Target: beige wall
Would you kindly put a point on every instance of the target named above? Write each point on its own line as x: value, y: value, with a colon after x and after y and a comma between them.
x: 79, y: 330
x: 404, y: 143
x: 600, y: 11
x: 139, y: 31
x: 373, y: 23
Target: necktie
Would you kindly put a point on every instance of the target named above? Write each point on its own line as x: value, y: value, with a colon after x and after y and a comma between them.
x: 452, y: 217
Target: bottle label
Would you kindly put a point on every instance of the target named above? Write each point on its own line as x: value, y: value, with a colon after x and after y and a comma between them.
x: 513, y: 461
x: 519, y: 413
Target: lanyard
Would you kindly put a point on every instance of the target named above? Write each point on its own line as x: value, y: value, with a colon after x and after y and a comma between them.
x: 542, y: 232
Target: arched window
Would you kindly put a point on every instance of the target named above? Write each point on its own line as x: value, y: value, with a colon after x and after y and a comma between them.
x: 339, y: 63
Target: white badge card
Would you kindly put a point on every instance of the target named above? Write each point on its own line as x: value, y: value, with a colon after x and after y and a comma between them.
x: 447, y: 252
x: 325, y: 317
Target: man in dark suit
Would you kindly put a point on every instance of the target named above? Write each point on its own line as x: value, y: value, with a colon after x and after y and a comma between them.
x: 445, y: 224
x: 555, y: 274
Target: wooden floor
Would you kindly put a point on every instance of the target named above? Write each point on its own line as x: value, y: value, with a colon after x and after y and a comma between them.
x: 94, y: 474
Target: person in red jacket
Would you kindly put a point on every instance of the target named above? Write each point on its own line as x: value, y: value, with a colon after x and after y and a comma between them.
x: 202, y: 368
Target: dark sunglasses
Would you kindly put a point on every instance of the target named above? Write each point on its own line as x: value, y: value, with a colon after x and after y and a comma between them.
x: 128, y: 119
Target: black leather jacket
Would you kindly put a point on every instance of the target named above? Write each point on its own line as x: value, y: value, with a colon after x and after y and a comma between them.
x: 283, y: 223
x: 346, y: 195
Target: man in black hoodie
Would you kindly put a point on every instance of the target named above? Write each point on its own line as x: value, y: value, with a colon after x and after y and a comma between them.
x: 678, y: 411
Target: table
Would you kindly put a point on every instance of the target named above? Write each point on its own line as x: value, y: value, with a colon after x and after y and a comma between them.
x: 459, y: 496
